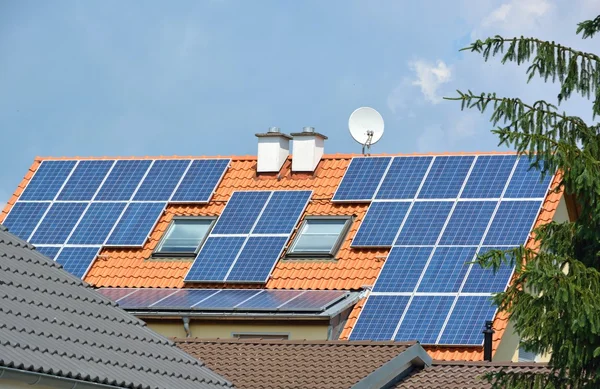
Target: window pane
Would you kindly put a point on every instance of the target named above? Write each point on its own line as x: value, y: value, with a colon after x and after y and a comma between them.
x: 185, y: 236
x: 323, y: 226
x: 319, y: 235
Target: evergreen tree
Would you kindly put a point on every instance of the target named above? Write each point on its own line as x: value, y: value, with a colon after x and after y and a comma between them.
x: 554, y: 301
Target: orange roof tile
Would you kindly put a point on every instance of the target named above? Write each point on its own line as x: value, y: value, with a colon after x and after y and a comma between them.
x: 353, y: 269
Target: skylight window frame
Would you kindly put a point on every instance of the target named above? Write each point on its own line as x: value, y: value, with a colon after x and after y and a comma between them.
x: 157, y: 253
x: 291, y: 255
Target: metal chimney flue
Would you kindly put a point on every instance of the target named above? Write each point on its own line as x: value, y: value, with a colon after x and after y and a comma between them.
x: 488, y: 334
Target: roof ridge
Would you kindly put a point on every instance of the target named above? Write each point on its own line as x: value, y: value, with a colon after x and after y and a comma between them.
x: 489, y: 364
x: 296, y: 342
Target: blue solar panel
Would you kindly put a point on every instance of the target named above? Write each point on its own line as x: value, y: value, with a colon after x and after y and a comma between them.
x: 526, y: 182
x: 318, y: 300
x: 402, y: 269
x: 85, y: 180
x: 241, y: 212
x: 201, y: 180
x: 257, y: 258
x: 379, y: 318
x: 215, y: 258
x: 77, y: 260
x: 114, y: 294
x: 58, y: 223
x: 135, y: 224
x: 282, y: 213
x: 467, y: 320
x: 361, y: 179
x: 47, y: 180
x: 424, y: 223
x: 184, y: 299
x: 447, y: 269
x: 381, y: 224
x: 163, y: 177
x: 403, y: 178
x: 48, y: 251
x: 269, y: 299
x: 446, y: 177
x: 489, y: 176
x: 144, y: 298
x: 97, y: 222
x: 482, y: 280
x: 23, y: 218
x: 227, y: 299
x: 424, y: 318
x: 123, y: 179
x: 512, y: 223
x: 468, y: 223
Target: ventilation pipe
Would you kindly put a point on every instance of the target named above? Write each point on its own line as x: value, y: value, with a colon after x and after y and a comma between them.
x: 487, y: 341
x: 309, y: 147
x: 273, y: 150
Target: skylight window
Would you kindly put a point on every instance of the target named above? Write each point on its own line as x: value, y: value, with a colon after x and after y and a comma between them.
x: 320, y: 237
x: 184, y: 237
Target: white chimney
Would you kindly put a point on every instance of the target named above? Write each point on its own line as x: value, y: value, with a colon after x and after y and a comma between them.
x: 273, y: 150
x: 308, y: 149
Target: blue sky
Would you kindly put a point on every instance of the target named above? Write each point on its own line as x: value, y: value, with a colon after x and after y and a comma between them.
x: 201, y: 77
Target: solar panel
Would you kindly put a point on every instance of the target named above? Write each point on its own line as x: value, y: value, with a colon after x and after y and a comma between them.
x: 403, y: 178
x: 381, y: 224
x: 226, y: 299
x: 379, y: 318
x: 424, y: 223
x: 200, y: 180
x: 424, y: 318
x: 85, y: 180
x: 257, y: 259
x: 215, y: 258
x: 468, y: 223
x: 58, y: 223
x: 489, y: 175
x: 467, y: 320
x: 145, y: 298
x: 282, y: 212
x: 317, y: 300
x: 447, y: 269
x: 526, y: 182
x: 123, y: 179
x: 184, y: 299
x: 512, y: 223
x: 23, y: 218
x: 361, y: 179
x: 269, y: 299
x: 97, y: 223
x: 47, y: 180
x: 115, y: 294
x: 241, y: 212
x: 161, y: 180
x: 135, y: 224
x: 484, y: 280
x: 77, y: 260
x: 48, y: 251
x: 402, y: 269
x: 446, y: 177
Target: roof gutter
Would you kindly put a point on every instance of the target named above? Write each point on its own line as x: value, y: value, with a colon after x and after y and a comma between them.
x: 42, y: 379
x: 395, y: 369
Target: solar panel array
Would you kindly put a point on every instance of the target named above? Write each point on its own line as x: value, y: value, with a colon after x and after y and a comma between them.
x: 70, y: 209
x: 249, y: 236
x: 225, y: 299
x: 436, y: 213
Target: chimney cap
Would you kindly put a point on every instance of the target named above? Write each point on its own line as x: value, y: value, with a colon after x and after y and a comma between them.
x: 273, y: 132
x: 308, y: 131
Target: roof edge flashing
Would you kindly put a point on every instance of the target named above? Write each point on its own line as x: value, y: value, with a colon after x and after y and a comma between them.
x: 396, y: 368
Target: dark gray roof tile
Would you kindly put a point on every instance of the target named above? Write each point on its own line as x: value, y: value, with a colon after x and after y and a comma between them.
x: 53, y: 323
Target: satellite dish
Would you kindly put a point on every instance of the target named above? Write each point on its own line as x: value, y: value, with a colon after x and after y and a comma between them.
x: 366, y: 127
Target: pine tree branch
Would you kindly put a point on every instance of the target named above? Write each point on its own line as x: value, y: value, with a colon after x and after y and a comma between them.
x: 589, y: 27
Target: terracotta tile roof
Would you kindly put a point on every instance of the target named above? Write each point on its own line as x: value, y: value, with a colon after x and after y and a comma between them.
x: 462, y: 375
x: 263, y: 364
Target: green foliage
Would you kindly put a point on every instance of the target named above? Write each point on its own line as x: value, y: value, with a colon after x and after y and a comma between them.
x: 554, y: 301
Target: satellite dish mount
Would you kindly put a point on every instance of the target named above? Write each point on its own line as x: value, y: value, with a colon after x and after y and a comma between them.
x: 366, y: 127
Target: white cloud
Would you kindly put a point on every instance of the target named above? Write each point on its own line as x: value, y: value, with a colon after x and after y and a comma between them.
x: 517, y: 16
x: 430, y: 77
